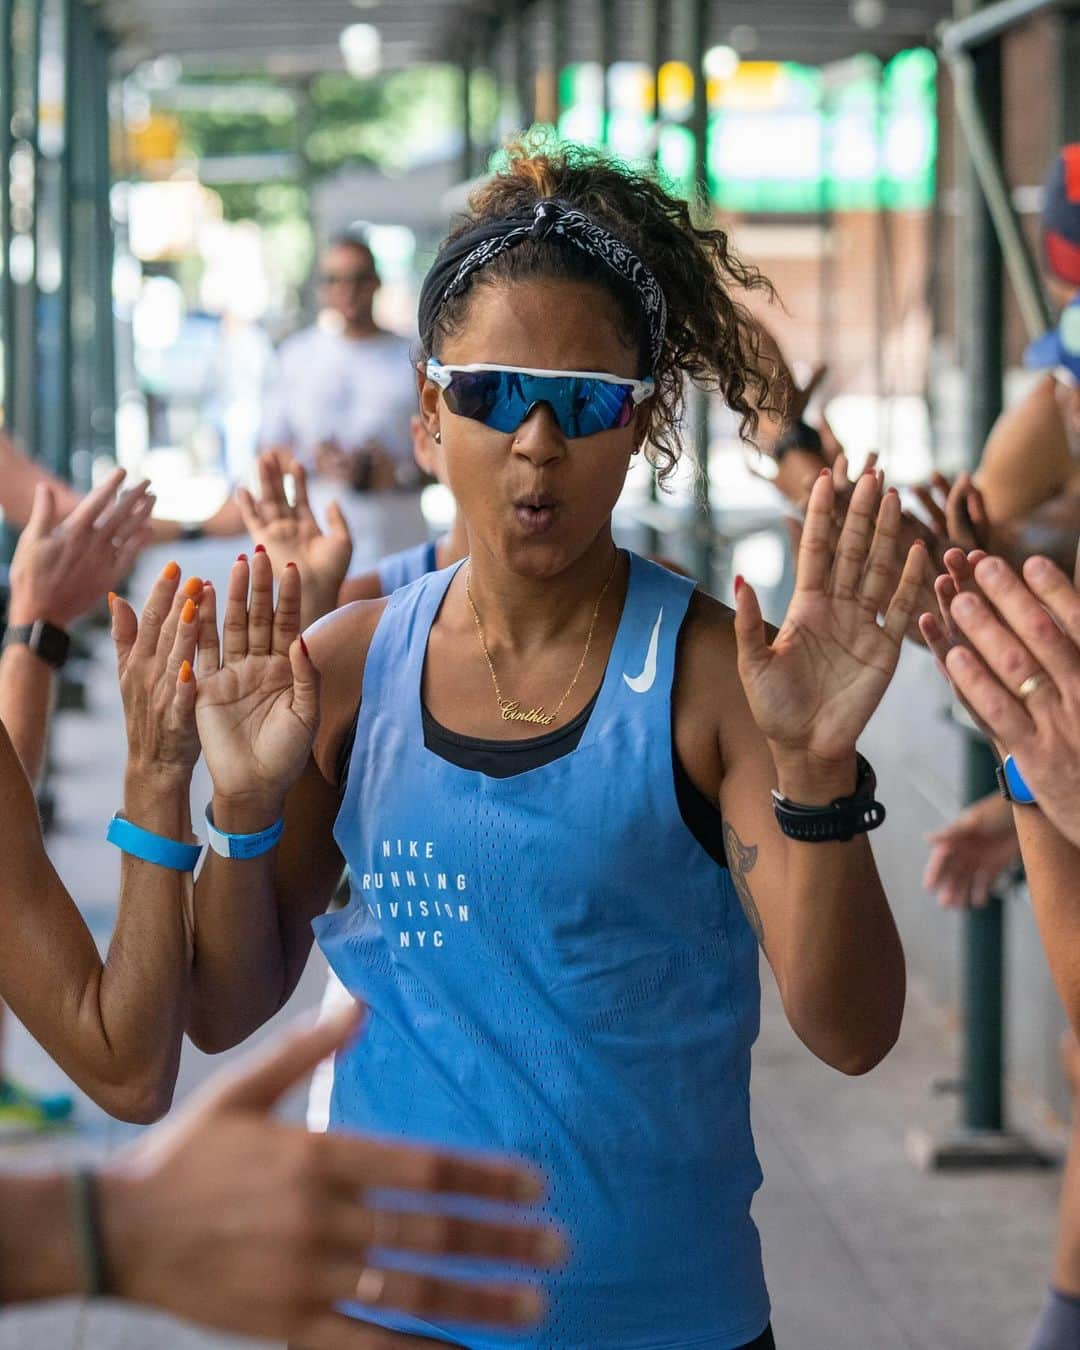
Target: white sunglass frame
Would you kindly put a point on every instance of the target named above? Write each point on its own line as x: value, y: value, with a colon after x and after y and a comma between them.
x: 439, y: 374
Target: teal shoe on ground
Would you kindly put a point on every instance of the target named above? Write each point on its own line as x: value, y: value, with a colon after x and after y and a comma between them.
x: 25, y: 1112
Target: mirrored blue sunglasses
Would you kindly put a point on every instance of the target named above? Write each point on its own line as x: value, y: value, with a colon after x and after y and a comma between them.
x: 582, y: 402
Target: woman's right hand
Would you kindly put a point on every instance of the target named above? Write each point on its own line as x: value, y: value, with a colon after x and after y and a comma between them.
x: 258, y: 697
x: 289, y: 532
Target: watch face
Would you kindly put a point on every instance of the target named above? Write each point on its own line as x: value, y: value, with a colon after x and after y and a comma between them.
x: 50, y: 643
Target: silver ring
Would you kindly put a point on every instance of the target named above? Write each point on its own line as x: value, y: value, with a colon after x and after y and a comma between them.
x: 370, y: 1285
x: 1030, y: 685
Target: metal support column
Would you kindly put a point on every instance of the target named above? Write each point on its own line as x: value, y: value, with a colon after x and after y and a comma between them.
x: 58, y: 453
x: 560, y: 51
x: 468, y: 162
x: 982, y: 1139
x: 103, y: 407
x: 1068, y: 84
x: 7, y: 288
x: 524, y: 67
x: 659, y: 49
x: 33, y: 418
x: 699, y: 125
x: 605, y: 13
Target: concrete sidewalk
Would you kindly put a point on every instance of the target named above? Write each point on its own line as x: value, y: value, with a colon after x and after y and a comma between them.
x: 862, y: 1251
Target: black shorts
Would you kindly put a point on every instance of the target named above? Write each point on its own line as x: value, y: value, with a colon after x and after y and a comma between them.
x: 763, y: 1342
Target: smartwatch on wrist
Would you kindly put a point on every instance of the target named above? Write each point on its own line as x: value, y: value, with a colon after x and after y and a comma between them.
x: 1011, y: 783
x: 839, y: 821
x: 43, y: 638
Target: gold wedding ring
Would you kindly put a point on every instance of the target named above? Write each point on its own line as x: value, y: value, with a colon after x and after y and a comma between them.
x: 1032, y: 683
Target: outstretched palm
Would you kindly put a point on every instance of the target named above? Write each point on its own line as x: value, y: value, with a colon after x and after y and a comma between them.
x: 289, y: 532
x: 814, y: 688
x: 257, y: 705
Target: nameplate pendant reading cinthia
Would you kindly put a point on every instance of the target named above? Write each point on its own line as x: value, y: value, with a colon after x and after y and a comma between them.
x: 512, y: 711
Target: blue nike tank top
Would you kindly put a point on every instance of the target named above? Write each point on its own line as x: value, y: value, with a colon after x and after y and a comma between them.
x: 399, y: 569
x: 556, y: 969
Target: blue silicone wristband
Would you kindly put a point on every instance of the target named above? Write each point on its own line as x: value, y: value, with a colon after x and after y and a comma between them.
x: 242, y: 846
x: 153, y: 848
x: 1018, y: 788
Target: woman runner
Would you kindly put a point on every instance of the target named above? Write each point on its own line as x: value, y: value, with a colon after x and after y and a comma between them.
x: 558, y: 807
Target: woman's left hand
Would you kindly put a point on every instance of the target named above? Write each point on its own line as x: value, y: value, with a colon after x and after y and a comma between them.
x: 154, y: 658
x: 1019, y: 670
x: 814, y: 688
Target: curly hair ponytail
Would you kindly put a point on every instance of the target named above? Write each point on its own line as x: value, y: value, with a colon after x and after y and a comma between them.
x: 710, y: 337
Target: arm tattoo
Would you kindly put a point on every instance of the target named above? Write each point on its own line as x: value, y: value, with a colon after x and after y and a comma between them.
x: 741, y: 859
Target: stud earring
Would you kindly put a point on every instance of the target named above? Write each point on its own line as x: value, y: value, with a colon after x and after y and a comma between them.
x: 438, y: 438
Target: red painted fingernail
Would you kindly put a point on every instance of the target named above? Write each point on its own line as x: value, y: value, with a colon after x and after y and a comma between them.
x: 259, y: 548
x: 739, y: 584
x: 291, y: 564
x: 185, y: 672
x: 241, y: 557
x: 825, y: 473
x: 303, y: 647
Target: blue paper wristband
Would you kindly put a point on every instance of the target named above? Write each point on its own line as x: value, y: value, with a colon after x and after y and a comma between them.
x: 153, y: 848
x: 243, y: 845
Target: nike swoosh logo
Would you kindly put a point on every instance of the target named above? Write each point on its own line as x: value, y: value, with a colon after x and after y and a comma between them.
x: 641, y: 684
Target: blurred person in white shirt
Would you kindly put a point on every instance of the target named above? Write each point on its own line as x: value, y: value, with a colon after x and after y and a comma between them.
x: 340, y: 398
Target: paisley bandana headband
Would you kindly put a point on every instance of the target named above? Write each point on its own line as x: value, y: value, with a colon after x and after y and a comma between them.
x: 456, y: 263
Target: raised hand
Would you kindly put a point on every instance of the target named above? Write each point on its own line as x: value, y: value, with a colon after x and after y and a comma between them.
x: 258, y: 697
x: 60, y: 570
x: 1018, y: 668
x: 154, y: 659
x: 814, y: 688
x: 229, y: 1217
x: 969, y: 853
x: 289, y: 532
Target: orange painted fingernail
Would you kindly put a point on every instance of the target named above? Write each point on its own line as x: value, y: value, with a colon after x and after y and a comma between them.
x: 188, y: 612
x: 171, y: 571
x: 112, y: 600
x: 192, y: 587
x: 185, y: 672
x: 259, y: 548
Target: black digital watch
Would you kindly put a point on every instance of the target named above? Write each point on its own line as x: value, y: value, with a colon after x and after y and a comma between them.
x: 841, y: 820
x: 43, y: 638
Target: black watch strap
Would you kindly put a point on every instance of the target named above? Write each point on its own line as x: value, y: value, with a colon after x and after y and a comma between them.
x: 44, y: 639
x: 841, y: 820
x: 1002, y: 782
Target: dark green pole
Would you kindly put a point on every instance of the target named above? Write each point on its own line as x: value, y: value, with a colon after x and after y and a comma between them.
x: 34, y: 417
x: 560, y: 48
x: 983, y: 329
x: 702, y: 543
x: 7, y: 295
x: 606, y: 18
x: 59, y: 452
x: 103, y: 416
x: 468, y: 162
x: 659, y: 46
x: 1068, y: 83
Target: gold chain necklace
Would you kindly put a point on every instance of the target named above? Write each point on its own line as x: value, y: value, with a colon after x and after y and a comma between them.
x: 510, y: 709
